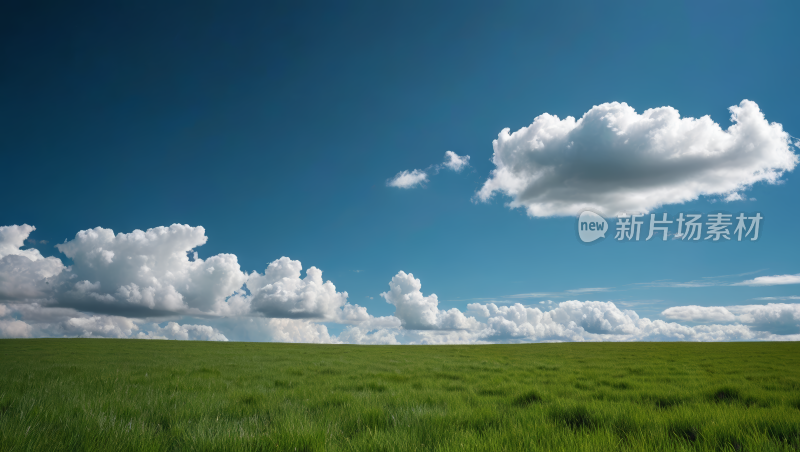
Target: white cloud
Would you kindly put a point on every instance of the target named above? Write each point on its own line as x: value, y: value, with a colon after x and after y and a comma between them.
x: 408, y: 179
x: 24, y: 274
x: 699, y: 314
x: 12, y: 238
x: 148, y: 272
x: 423, y: 323
x: 281, y: 293
x: 418, y: 312
x: 455, y: 162
x: 183, y: 333
x: 735, y: 197
x: 117, y: 279
x: 357, y: 335
x: 789, y: 297
x: 778, y: 318
x: 14, y: 328
x: 100, y: 326
x: 417, y: 177
x: 614, y: 160
x: 291, y: 330
x: 451, y: 337
x: 126, y: 285
x: 771, y: 280
x: 566, y: 293
x: 44, y: 321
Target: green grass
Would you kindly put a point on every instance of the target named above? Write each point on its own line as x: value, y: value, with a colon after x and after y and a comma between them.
x: 104, y: 394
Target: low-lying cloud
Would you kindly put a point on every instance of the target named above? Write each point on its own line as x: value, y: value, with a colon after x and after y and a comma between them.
x: 778, y: 318
x: 153, y: 285
x: 614, y: 160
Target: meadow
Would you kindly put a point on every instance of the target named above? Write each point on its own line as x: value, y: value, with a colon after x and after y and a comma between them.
x: 137, y: 395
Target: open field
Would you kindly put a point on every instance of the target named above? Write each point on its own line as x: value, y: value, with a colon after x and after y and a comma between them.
x: 106, y: 394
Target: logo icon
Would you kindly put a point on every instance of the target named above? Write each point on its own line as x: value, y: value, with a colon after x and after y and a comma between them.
x: 591, y: 226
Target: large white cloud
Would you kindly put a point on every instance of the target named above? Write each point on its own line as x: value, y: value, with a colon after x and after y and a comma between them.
x: 151, y: 273
x: 614, y: 160
x: 116, y: 279
x: 148, y: 271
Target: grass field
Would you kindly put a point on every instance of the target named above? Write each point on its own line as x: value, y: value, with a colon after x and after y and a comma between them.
x: 136, y: 395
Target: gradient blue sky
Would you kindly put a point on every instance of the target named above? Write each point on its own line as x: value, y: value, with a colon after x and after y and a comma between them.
x: 275, y: 125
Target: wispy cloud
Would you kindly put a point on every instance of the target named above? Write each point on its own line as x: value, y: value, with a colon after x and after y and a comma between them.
x: 790, y: 297
x: 676, y: 284
x: 706, y: 281
x: 776, y: 280
x: 562, y: 294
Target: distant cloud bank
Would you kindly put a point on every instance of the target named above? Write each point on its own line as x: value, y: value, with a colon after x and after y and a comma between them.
x: 614, y: 160
x: 152, y: 285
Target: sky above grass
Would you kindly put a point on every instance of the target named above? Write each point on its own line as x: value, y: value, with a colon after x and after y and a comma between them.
x: 281, y: 129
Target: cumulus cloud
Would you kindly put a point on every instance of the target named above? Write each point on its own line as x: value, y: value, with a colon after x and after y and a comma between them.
x: 12, y: 239
x: 357, y: 335
x: 116, y: 279
x: 408, y: 179
x: 148, y: 272
x: 614, y: 160
x: 100, y: 326
x: 593, y: 321
x: 183, y: 333
x: 699, y: 314
x: 291, y: 330
x: 48, y: 321
x: 25, y: 274
x: 280, y: 292
x: 14, y: 329
x: 770, y: 280
x: 128, y: 285
x: 777, y: 318
x: 418, y: 312
x: 417, y: 177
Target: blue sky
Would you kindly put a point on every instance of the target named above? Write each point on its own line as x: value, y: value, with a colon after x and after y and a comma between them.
x: 276, y: 126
